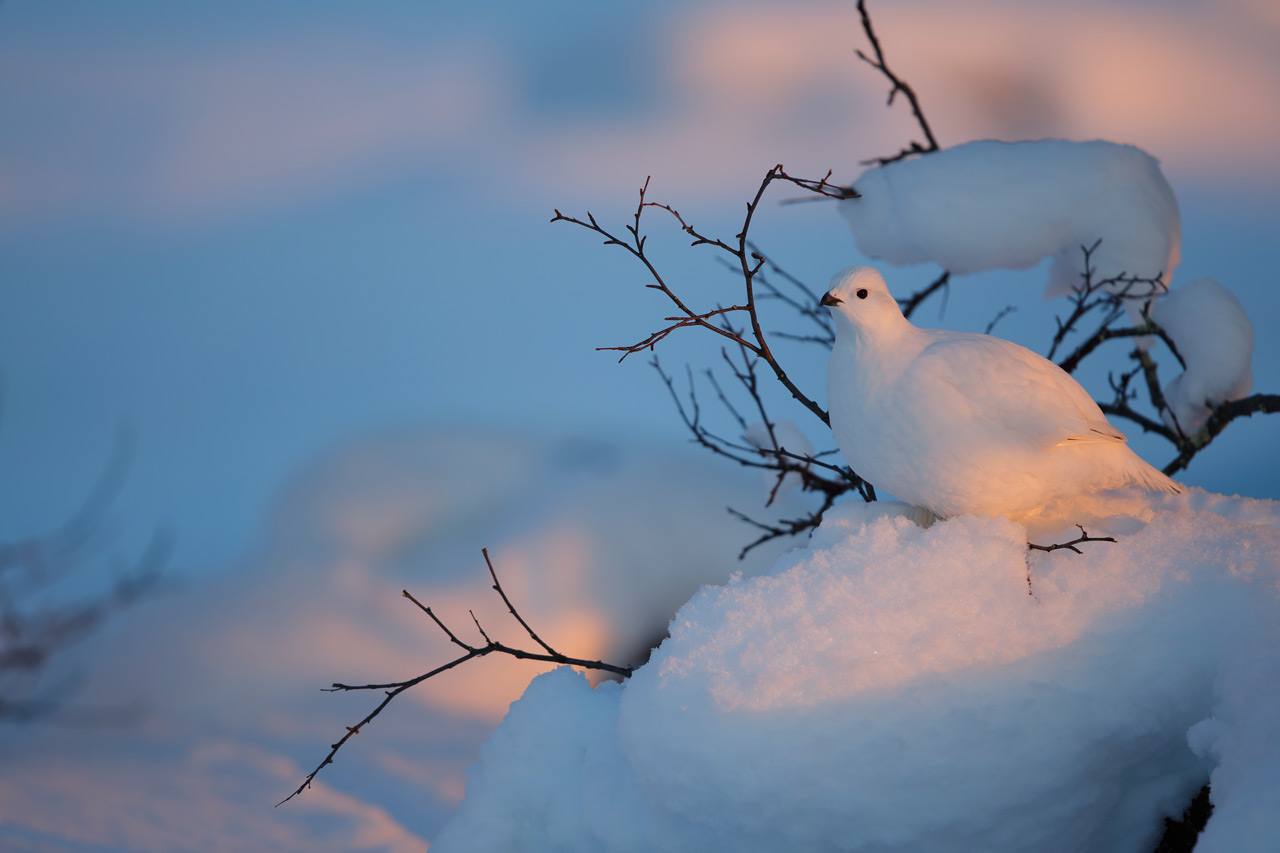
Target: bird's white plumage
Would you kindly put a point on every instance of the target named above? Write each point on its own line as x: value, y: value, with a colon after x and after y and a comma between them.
x: 964, y: 423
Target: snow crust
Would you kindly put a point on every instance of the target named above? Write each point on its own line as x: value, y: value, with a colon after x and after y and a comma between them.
x: 1007, y: 205
x: 891, y: 687
x: 1215, y: 337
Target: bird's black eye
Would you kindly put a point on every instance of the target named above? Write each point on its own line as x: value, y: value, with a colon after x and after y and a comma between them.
x: 862, y: 293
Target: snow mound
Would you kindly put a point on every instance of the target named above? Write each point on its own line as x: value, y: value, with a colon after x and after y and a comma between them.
x: 1007, y: 205
x: 1215, y: 338
x: 897, y: 688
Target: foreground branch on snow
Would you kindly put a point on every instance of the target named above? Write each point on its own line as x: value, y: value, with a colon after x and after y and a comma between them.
x: 393, y: 689
x: 1071, y: 545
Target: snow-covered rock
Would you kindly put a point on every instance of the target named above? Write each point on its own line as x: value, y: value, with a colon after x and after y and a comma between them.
x: 1007, y: 205
x: 1215, y: 337
x: 897, y: 688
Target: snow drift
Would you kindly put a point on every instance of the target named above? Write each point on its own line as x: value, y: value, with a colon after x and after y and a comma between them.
x: 896, y: 688
x: 225, y: 673
x: 1007, y: 205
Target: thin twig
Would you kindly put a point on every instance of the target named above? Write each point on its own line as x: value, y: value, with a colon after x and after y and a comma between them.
x: 897, y: 84
x: 392, y: 689
x: 1071, y: 545
x: 915, y: 300
x: 1220, y: 417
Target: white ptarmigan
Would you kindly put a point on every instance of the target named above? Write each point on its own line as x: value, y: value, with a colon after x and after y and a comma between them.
x: 959, y: 423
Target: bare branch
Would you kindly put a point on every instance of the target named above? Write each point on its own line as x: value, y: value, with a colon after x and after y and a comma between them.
x: 1000, y: 315
x: 1106, y: 333
x: 497, y: 587
x: 1222, y: 416
x: 897, y: 84
x: 393, y: 689
x: 1108, y: 295
x: 772, y: 456
x: 784, y: 527
x: 914, y: 301
x: 748, y: 261
x: 1071, y: 545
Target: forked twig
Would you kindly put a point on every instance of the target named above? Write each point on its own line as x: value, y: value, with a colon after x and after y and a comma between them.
x: 897, y: 84
x: 1071, y: 545
x: 393, y: 689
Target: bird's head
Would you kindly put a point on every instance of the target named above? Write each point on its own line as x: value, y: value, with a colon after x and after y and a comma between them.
x: 860, y: 301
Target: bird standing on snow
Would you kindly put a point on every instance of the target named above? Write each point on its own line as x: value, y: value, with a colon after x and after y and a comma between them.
x: 963, y: 423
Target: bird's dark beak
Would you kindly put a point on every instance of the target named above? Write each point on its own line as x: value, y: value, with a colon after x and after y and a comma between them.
x: 829, y: 300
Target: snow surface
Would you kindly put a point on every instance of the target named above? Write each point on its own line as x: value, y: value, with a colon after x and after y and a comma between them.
x: 1007, y: 205
x: 1215, y: 338
x: 891, y: 688
x: 224, y: 674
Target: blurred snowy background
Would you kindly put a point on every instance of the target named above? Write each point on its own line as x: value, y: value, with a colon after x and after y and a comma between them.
x: 301, y: 255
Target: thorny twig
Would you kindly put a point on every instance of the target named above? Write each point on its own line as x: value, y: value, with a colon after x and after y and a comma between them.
x: 393, y: 689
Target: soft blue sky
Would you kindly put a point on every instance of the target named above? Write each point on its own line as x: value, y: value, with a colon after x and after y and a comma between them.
x: 251, y: 232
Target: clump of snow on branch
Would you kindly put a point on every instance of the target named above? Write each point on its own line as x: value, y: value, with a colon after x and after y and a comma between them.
x: 892, y: 687
x: 1008, y: 205
x: 1215, y: 337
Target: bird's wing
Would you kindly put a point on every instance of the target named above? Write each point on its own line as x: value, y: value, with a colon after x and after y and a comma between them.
x: 1003, y: 387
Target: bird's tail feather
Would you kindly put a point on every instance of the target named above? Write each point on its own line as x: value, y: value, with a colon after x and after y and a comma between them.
x: 1146, y: 475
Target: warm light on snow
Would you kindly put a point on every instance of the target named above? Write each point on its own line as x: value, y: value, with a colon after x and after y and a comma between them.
x: 896, y: 688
